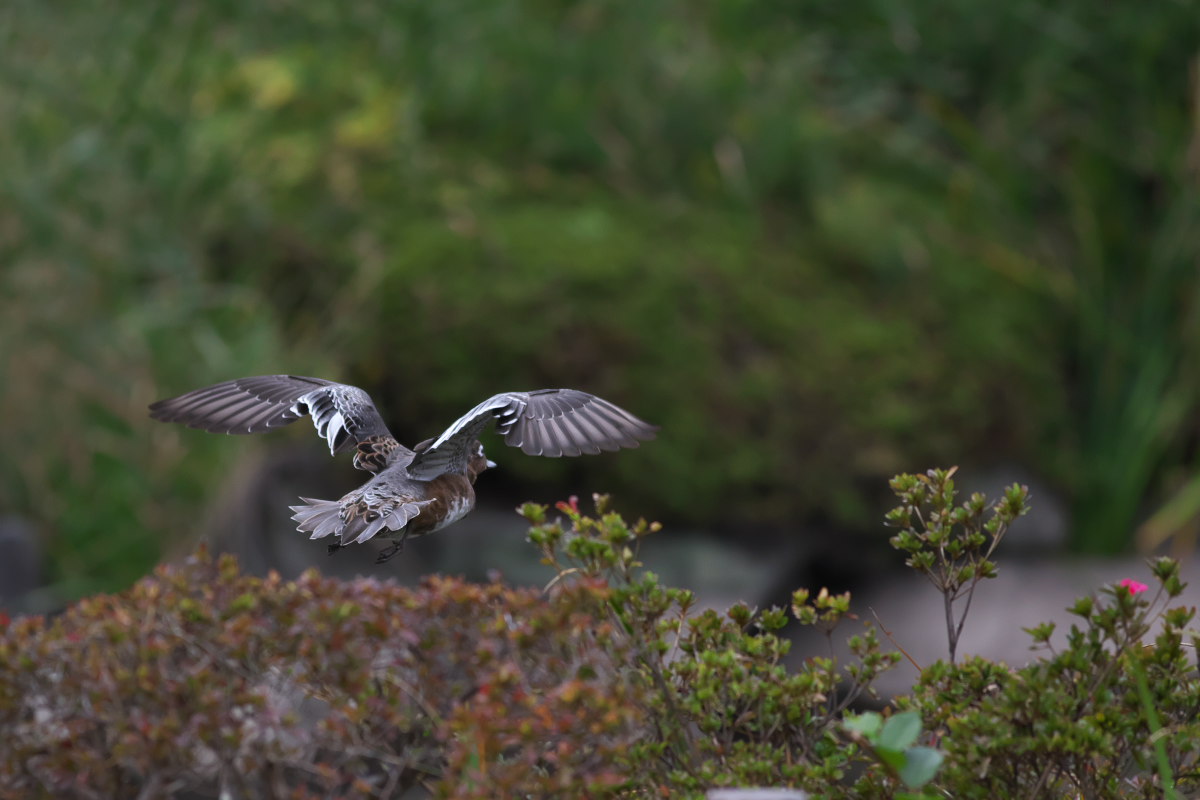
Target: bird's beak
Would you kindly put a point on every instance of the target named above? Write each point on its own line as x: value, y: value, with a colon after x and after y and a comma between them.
x: 491, y: 464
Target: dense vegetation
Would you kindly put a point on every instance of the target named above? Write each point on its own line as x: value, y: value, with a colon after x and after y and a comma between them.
x: 204, y: 682
x: 818, y: 241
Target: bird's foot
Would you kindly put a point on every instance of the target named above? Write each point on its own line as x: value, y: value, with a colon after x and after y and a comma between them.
x: 334, y: 547
x: 394, y: 550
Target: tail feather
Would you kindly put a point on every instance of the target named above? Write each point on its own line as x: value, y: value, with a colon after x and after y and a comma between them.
x: 318, y: 517
x: 322, y: 518
x: 368, y: 532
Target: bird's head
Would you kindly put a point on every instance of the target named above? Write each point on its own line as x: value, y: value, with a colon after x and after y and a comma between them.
x: 477, y: 462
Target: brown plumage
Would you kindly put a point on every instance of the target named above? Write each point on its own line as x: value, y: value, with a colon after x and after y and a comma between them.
x: 413, y: 491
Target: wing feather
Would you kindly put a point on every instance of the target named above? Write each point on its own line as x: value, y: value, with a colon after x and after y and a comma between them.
x: 581, y: 437
x: 534, y: 443
x: 606, y: 432
x: 553, y: 438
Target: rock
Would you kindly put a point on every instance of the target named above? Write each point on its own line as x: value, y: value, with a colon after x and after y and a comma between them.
x: 21, y: 566
x: 1044, y: 529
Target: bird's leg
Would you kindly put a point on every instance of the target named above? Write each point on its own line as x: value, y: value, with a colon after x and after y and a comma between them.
x: 384, y: 555
x: 396, y: 549
x: 334, y: 547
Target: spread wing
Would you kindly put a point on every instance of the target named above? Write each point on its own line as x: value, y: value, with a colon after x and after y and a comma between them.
x: 548, y: 422
x: 343, y: 415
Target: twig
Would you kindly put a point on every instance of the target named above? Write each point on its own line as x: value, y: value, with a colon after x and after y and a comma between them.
x: 895, y: 644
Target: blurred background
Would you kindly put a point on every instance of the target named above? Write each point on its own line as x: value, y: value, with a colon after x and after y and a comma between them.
x: 818, y: 243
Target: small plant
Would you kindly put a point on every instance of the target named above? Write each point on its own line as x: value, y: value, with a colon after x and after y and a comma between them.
x: 949, y: 544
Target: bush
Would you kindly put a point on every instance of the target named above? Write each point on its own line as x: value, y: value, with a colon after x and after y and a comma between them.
x: 203, y: 680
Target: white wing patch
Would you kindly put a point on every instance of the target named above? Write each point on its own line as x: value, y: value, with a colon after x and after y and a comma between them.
x: 326, y: 408
x: 492, y: 403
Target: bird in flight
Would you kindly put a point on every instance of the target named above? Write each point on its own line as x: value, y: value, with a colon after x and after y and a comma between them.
x: 412, y: 492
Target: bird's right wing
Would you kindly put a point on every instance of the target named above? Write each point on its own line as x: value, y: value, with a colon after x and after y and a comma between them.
x: 547, y: 422
x: 343, y: 415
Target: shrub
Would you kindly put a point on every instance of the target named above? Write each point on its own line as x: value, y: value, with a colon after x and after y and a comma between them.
x: 724, y: 709
x: 203, y: 679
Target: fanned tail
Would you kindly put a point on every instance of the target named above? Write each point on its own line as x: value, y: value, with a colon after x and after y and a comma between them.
x: 353, y: 521
x: 319, y: 518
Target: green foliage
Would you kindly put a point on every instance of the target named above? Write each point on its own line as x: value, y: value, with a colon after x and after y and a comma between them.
x: 726, y: 711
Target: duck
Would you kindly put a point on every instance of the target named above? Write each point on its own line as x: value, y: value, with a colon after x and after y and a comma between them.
x: 413, y: 491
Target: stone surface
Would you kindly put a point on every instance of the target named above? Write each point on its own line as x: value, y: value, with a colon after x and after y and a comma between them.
x: 1044, y: 529
x: 21, y: 570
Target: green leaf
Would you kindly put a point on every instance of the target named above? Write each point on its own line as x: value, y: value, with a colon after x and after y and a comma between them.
x: 867, y: 724
x: 900, y: 730
x: 892, y: 758
x: 1083, y: 607
x: 1042, y: 632
x: 920, y: 765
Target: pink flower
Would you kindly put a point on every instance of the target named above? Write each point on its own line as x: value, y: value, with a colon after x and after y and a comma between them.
x: 571, y: 506
x: 1133, y: 586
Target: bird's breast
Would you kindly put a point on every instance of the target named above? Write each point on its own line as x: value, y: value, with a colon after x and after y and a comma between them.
x: 453, y: 498
x: 458, y: 508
